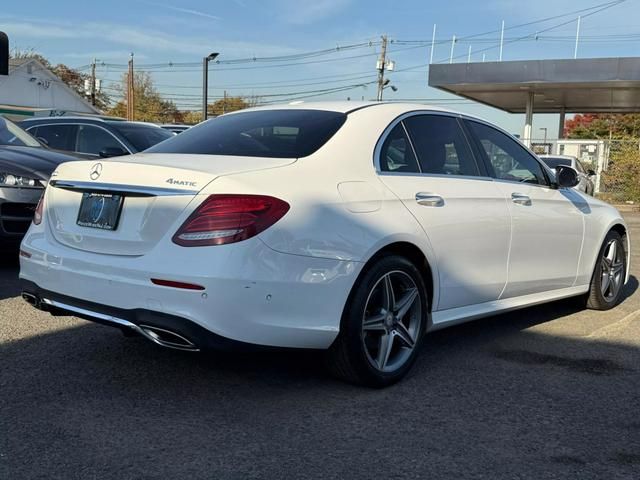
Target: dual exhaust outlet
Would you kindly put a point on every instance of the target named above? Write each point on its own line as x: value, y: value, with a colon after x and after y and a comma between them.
x: 159, y: 336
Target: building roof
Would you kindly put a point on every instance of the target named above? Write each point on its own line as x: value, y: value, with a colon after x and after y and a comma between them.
x: 33, y: 86
x: 607, y: 85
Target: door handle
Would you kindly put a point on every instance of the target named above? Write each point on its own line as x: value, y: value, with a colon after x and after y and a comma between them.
x: 429, y: 199
x: 521, y: 199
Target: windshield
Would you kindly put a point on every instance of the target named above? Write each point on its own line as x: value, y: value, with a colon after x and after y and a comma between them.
x: 142, y: 136
x: 262, y: 133
x: 554, y: 162
x: 13, y: 135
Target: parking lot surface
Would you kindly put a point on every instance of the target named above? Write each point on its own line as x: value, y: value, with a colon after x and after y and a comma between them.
x: 547, y: 392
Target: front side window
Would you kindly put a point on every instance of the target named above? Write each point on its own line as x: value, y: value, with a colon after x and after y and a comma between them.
x: 507, y: 158
x: 287, y: 133
x: 59, y: 137
x: 396, y: 154
x: 440, y: 145
x: 93, y: 140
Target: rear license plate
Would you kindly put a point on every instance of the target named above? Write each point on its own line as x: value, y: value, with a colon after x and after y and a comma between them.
x: 99, y: 210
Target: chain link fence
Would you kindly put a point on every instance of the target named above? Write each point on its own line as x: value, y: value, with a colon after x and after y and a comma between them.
x: 616, y: 164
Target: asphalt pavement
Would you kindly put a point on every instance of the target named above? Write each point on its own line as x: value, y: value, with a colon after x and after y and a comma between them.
x: 548, y: 392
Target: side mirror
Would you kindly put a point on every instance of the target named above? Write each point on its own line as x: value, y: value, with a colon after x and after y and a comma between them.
x: 112, y: 152
x: 591, y: 173
x: 566, y: 177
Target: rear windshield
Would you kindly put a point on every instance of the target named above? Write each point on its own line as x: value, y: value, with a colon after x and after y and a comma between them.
x: 263, y: 133
x: 554, y: 162
x: 142, y: 136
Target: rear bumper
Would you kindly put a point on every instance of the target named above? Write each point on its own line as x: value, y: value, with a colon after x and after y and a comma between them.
x: 252, y: 294
x: 179, y: 333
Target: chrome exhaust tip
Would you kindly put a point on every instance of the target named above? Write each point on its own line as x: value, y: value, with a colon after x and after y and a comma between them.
x: 167, y: 338
x: 32, y: 300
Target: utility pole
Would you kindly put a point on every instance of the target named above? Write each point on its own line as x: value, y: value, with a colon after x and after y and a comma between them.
x: 224, y: 103
x: 130, y: 92
x: 93, y: 83
x: 381, y: 67
x: 205, y: 83
x: 575, y: 51
x: 433, y: 44
x: 501, y: 41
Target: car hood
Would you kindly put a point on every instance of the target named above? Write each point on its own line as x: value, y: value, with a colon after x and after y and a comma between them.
x: 30, y: 161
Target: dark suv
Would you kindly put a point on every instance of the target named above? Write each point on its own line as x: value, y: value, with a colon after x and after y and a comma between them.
x: 95, y: 137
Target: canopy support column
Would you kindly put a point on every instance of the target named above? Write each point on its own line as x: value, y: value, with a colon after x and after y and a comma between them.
x: 561, y: 125
x: 528, y: 121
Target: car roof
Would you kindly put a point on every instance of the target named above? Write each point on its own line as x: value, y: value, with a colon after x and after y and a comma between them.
x: 345, y: 106
x: 83, y: 119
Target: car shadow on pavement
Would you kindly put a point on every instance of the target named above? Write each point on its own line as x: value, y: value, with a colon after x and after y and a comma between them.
x: 525, y: 394
x: 9, y: 268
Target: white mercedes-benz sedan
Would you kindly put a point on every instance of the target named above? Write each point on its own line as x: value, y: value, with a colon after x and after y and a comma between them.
x: 350, y: 227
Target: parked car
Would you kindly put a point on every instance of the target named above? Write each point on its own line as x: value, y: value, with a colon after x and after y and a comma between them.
x: 351, y: 227
x: 175, y: 128
x: 95, y: 137
x: 25, y: 167
x: 586, y: 177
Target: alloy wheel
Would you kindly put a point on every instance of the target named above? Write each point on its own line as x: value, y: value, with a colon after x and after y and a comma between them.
x: 612, y: 270
x: 391, y: 321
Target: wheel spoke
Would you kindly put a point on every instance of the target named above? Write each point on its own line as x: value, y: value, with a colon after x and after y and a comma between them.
x: 374, y: 322
x: 405, y: 336
x: 389, y: 298
x: 611, y: 254
x: 617, y: 268
x: 406, y: 302
x: 605, y: 283
x: 615, y: 284
x: 386, y: 342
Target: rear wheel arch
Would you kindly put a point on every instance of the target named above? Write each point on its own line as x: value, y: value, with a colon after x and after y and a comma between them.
x: 416, y: 256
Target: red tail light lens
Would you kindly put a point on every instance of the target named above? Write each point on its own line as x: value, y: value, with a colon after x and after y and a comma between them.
x: 37, y: 216
x: 224, y: 219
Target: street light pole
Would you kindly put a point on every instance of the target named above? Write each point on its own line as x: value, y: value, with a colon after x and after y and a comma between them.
x: 205, y: 82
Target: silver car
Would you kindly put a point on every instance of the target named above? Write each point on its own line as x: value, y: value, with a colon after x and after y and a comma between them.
x: 586, y: 176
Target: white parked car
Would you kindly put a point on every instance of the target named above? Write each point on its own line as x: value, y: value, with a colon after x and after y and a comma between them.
x: 350, y: 227
x: 586, y: 177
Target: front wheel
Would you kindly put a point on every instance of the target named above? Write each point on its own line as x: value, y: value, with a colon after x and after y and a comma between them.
x: 382, y: 325
x: 609, y: 274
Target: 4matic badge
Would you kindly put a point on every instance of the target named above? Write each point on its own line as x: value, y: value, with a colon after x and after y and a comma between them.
x: 182, y: 183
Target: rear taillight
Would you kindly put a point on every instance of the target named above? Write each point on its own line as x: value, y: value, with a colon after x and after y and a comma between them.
x: 224, y: 219
x: 37, y: 215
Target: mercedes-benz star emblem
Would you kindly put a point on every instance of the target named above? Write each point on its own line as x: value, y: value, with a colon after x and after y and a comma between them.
x: 95, y: 172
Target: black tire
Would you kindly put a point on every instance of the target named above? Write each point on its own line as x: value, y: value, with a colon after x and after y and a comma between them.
x: 348, y: 358
x: 596, y: 299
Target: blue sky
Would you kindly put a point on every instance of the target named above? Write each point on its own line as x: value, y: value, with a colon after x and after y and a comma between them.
x: 163, y: 31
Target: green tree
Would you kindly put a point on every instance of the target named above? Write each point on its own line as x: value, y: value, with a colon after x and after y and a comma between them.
x: 72, y: 77
x: 149, y: 106
x: 229, y: 104
x: 623, y: 175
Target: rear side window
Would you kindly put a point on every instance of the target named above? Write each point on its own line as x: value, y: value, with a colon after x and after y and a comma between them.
x: 266, y: 133
x: 59, y: 137
x: 441, y: 145
x: 93, y: 140
x: 554, y: 162
x: 396, y: 154
x: 142, y: 136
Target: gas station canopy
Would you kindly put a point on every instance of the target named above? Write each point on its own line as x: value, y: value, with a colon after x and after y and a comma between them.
x: 593, y: 85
